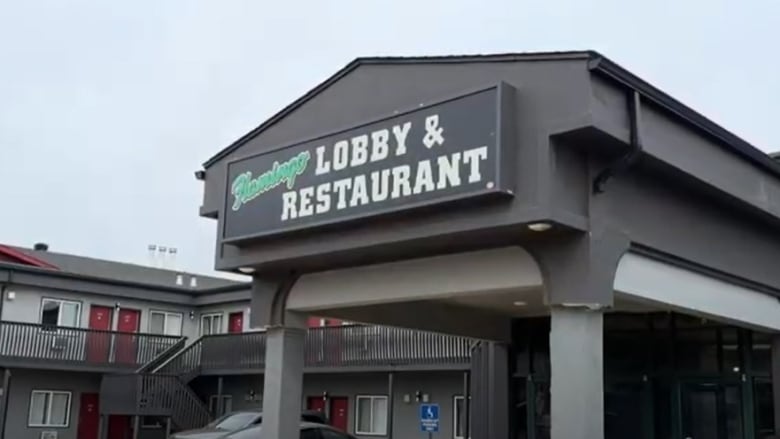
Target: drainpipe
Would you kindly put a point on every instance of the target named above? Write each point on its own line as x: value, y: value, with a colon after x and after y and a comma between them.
x: 466, y: 405
x: 4, y: 401
x: 624, y: 162
x: 390, y: 403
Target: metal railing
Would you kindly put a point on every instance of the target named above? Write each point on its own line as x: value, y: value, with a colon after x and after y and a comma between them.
x: 36, y: 343
x: 153, y: 394
x: 331, y: 347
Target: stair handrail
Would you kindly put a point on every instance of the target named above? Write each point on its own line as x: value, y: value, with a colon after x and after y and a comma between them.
x: 162, y: 357
x: 179, y: 354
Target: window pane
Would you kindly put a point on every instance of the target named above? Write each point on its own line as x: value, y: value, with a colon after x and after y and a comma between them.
x: 173, y: 324
x: 379, y: 416
x: 59, y: 409
x: 364, y: 415
x: 157, y: 324
x: 37, y: 408
x: 216, y: 324
x: 205, y: 325
x: 50, y: 313
x: 69, y: 314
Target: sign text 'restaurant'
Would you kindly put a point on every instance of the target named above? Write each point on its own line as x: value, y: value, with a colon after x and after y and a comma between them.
x: 434, y: 153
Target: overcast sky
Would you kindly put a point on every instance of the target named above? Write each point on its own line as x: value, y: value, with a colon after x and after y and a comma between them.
x: 108, y: 107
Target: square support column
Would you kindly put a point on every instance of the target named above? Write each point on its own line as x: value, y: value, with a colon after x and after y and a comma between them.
x: 576, y: 373
x: 283, y: 382
x: 776, y: 380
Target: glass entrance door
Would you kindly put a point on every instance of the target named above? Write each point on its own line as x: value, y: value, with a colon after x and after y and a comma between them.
x: 711, y: 411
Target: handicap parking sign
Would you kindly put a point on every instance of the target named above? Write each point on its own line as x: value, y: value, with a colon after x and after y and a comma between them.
x: 429, y: 418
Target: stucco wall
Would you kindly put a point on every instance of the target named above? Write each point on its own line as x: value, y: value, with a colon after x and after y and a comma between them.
x: 23, y: 382
x: 441, y: 387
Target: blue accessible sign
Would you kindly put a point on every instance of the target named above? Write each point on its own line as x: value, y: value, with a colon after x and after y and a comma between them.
x: 429, y: 418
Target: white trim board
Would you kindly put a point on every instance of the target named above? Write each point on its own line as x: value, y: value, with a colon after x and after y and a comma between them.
x: 666, y: 285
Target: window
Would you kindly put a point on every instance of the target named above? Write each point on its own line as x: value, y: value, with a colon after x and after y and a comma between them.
x: 459, y: 418
x: 371, y: 417
x: 211, y: 324
x: 227, y: 403
x: 49, y: 408
x: 165, y: 323
x: 57, y: 312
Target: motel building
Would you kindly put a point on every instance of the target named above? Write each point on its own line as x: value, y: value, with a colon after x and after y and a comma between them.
x: 614, y: 250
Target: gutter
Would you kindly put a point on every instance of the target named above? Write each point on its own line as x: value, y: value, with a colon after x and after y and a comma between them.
x: 109, y: 281
x: 603, y: 66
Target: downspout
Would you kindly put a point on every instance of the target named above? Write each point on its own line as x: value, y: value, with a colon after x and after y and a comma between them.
x: 631, y: 157
x: 6, y: 372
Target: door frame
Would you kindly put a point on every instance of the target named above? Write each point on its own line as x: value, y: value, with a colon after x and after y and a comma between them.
x: 230, y: 322
x: 96, y: 395
x: 95, y: 340
x: 718, y: 384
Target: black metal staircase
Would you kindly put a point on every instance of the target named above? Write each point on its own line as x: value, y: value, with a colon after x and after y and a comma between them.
x: 159, y: 388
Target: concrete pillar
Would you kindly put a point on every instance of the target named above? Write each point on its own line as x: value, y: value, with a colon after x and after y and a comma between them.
x: 576, y: 373
x: 283, y: 382
x: 776, y: 380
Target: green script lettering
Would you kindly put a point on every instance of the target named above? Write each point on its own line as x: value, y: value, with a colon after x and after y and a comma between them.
x: 245, y: 188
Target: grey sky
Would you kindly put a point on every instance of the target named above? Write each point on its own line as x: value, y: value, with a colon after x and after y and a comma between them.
x: 107, y: 107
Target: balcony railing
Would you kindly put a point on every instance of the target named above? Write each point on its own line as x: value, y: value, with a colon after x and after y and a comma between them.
x: 355, y: 346
x: 29, y: 343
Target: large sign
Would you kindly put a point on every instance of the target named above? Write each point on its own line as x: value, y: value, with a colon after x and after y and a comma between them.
x: 447, y: 151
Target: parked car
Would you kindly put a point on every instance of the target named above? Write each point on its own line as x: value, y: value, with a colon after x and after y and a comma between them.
x: 309, y: 430
x: 239, y: 420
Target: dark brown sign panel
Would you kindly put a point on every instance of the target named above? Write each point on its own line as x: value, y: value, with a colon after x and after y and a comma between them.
x: 447, y: 151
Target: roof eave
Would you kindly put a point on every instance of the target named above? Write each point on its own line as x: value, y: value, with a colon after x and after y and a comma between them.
x: 603, y: 66
x: 378, y: 60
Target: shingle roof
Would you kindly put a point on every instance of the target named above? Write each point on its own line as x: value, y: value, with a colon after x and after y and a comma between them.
x: 125, y: 272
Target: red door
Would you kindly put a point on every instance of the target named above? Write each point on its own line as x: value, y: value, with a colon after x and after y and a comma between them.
x: 315, y: 403
x: 236, y: 322
x: 98, y: 344
x: 89, y: 418
x: 119, y: 427
x: 126, y: 344
x: 339, y: 409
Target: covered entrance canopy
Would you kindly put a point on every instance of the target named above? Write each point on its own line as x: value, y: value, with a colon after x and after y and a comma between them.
x: 489, y: 195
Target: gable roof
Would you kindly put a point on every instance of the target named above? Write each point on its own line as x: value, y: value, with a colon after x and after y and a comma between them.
x: 597, y: 63
x: 122, y: 271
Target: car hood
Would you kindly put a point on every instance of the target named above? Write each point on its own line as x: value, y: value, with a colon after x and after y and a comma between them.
x: 202, y: 433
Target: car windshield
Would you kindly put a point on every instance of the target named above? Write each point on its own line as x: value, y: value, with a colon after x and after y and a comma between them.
x: 235, y: 421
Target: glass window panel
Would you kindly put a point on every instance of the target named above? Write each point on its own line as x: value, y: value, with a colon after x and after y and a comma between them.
x: 623, y: 410
x: 38, y: 408
x: 762, y: 353
x: 173, y: 324
x: 51, y: 312
x: 379, y: 415
x: 59, y: 409
x: 69, y: 314
x: 764, y: 408
x: 542, y: 414
x: 731, y: 352
x: 363, y: 415
x: 157, y: 323
x: 697, y: 350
